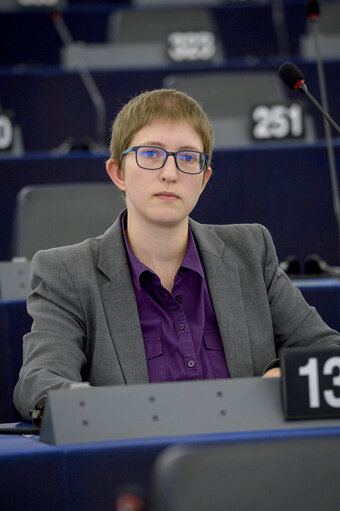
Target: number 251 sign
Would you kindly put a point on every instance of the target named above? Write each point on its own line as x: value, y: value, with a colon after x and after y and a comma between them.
x: 277, y: 122
x: 311, y: 383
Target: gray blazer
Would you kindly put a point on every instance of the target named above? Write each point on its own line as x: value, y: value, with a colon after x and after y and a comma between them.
x: 85, y: 317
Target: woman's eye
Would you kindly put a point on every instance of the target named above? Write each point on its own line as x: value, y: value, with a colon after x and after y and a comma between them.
x: 152, y: 153
x: 188, y: 157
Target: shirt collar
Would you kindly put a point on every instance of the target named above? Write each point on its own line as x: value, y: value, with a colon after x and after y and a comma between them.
x: 191, y: 258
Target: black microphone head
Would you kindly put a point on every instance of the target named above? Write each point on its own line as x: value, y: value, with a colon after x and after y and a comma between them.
x: 291, y: 75
x: 313, y: 9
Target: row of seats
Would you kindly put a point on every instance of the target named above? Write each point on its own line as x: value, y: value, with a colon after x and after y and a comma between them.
x: 286, y: 188
x: 186, y: 47
x: 237, y: 29
x: 167, y: 32
x: 246, y: 106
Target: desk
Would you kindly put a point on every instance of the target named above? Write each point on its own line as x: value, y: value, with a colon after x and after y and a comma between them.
x: 88, y: 477
x: 324, y: 294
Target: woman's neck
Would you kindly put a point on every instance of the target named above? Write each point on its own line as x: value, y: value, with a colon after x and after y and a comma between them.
x: 161, y: 248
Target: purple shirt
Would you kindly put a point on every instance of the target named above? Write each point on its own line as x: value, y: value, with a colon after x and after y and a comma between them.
x: 181, y: 336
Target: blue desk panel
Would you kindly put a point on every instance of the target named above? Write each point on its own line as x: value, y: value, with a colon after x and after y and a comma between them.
x: 32, y: 475
x: 14, y: 323
x: 51, y: 105
x: 324, y: 294
x: 90, y: 476
x: 287, y: 189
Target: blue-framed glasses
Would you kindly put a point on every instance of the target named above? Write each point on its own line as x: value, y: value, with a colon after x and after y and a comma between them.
x: 154, y: 158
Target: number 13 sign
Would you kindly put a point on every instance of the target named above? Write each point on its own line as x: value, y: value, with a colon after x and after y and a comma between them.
x: 311, y: 382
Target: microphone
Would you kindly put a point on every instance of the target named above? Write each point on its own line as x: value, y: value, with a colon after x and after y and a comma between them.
x: 291, y: 266
x: 293, y: 77
x: 313, y: 10
x: 315, y: 265
x: 313, y: 14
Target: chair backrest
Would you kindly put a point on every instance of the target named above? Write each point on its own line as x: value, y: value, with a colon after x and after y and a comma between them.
x: 280, y: 474
x: 229, y: 93
x: 151, y: 24
x: 62, y: 214
x: 229, y: 97
x: 180, y: 34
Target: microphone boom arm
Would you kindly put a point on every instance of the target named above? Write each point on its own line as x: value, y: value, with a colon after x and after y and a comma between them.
x: 87, y: 79
x: 303, y: 88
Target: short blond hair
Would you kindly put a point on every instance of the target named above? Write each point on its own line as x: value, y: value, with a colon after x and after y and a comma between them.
x: 159, y: 104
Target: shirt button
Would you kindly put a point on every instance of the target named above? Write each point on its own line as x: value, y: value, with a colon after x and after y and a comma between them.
x: 191, y: 363
x: 181, y: 327
x: 179, y: 299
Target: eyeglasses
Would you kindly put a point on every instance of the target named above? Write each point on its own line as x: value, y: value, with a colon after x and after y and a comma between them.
x: 154, y: 158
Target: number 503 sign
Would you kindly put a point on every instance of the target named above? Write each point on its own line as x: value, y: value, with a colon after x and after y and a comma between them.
x: 311, y: 383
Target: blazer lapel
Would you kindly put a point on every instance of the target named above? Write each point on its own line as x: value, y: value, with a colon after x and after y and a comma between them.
x: 225, y: 290
x: 120, y: 306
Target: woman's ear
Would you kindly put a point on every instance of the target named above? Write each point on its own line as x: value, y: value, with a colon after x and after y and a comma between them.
x: 206, y: 178
x: 116, y: 174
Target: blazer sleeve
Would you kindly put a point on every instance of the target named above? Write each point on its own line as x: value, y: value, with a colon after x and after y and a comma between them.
x: 53, y: 352
x: 295, y: 322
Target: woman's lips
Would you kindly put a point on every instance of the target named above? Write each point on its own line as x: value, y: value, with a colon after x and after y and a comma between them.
x: 167, y: 196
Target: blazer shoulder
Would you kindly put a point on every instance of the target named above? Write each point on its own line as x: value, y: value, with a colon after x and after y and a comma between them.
x: 77, y: 253
x: 242, y: 235
x: 235, y: 242
x: 245, y: 229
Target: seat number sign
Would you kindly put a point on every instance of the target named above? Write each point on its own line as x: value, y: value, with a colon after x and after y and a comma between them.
x: 277, y: 122
x: 191, y: 46
x: 6, y: 132
x: 311, y: 383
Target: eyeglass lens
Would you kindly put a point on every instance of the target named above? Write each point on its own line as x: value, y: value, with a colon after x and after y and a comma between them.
x: 152, y: 158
